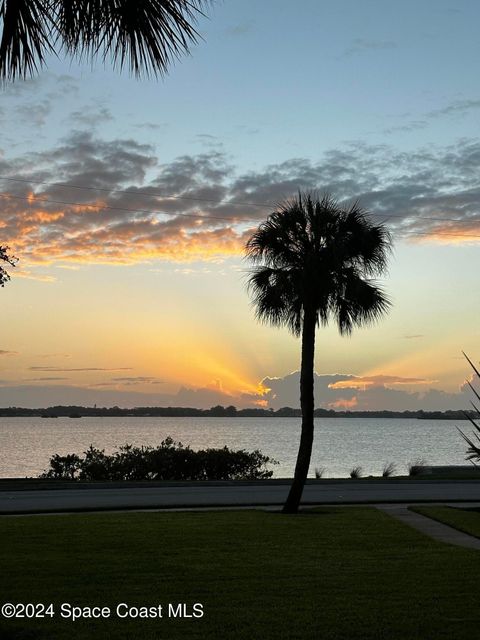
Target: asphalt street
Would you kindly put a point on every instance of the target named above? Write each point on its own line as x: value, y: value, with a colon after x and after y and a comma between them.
x: 47, y: 500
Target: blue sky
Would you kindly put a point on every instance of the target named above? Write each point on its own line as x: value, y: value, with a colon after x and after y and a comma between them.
x: 377, y: 100
x: 273, y: 80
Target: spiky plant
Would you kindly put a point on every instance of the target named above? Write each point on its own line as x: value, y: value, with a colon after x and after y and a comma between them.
x: 473, y: 451
x: 389, y: 469
x: 356, y: 472
x: 415, y: 468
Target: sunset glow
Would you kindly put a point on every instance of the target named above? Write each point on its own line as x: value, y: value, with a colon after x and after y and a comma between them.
x: 129, y: 205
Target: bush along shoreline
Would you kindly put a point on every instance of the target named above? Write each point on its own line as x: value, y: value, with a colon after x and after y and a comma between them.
x: 169, y: 461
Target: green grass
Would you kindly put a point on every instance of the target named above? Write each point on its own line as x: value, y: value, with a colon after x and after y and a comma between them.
x: 350, y: 574
x: 466, y: 520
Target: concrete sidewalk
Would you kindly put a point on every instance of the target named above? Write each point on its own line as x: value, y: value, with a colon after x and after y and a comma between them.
x: 430, y: 527
x: 233, y: 494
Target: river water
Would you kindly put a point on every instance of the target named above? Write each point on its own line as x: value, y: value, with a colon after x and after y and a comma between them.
x: 26, y: 444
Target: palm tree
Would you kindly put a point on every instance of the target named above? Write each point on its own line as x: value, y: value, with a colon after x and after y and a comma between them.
x: 314, y: 261
x: 148, y: 34
x: 11, y: 260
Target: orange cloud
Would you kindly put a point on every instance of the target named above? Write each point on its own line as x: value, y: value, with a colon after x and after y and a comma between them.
x: 464, y: 232
x: 368, y: 382
x: 344, y: 403
x: 48, y: 237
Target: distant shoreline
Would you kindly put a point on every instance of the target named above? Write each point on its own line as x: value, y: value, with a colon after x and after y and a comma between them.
x: 221, y: 412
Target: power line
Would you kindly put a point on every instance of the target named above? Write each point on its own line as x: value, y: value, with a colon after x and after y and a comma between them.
x: 140, y: 193
x: 105, y: 206
x: 231, y: 220
x: 223, y: 218
x: 200, y: 217
x: 192, y: 199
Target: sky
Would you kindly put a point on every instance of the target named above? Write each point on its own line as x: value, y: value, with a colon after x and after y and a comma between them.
x: 128, y: 203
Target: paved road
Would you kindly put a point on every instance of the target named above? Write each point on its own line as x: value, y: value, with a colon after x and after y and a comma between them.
x: 193, y: 496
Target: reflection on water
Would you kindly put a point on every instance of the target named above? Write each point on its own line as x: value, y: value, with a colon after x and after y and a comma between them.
x: 26, y: 444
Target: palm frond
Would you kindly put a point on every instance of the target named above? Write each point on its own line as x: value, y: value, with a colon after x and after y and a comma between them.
x: 26, y: 37
x: 145, y: 35
x: 326, y: 256
x: 358, y: 302
x: 477, y: 395
x: 473, y: 451
x: 279, y: 241
x: 368, y: 245
x: 471, y: 364
x: 275, y: 299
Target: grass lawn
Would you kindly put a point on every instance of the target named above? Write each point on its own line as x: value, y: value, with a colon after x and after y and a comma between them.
x: 352, y: 573
x: 467, y: 520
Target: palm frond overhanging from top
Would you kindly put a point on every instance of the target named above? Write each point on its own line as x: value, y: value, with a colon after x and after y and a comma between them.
x: 145, y: 35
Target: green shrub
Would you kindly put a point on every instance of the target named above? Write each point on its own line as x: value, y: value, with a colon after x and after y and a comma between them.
x: 65, y: 467
x: 169, y: 461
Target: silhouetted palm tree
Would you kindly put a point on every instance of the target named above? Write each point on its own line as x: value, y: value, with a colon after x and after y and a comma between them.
x: 314, y: 262
x: 11, y: 260
x: 146, y: 34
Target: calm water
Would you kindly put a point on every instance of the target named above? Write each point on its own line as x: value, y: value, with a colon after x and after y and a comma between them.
x: 26, y: 444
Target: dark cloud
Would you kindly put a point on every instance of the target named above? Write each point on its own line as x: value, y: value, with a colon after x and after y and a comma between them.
x: 32, y: 100
x: 412, y: 125
x: 364, y: 382
x: 362, y: 45
x: 247, y: 130
x: 414, y: 336
x: 209, y: 142
x: 458, y: 107
x: 240, y: 29
x: 59, y: 369
x: 332, y: 391
x: 45, y: 379
x: 34, y: 113
x: 54, y: 355
x: 349, y: 392
x: 151, y: 126
x: 91, y: 116
x: 137, y: 380
x: 50, y: 395
x: 113, y: 201
x: 24, y: 87
x: 204, y: 398
x: 3, y: 352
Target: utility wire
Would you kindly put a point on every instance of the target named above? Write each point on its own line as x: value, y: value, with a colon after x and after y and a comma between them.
x: 207, y: 217
x: 139, y: 193
x: 199, y: 217
x: 190, y: 199
x: 105, y: 206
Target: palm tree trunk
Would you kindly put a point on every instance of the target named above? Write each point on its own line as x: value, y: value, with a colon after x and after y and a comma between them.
x: 307, y: 405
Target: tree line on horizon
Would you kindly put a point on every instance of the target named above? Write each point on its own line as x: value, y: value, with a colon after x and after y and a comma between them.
x: 219, y: 411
